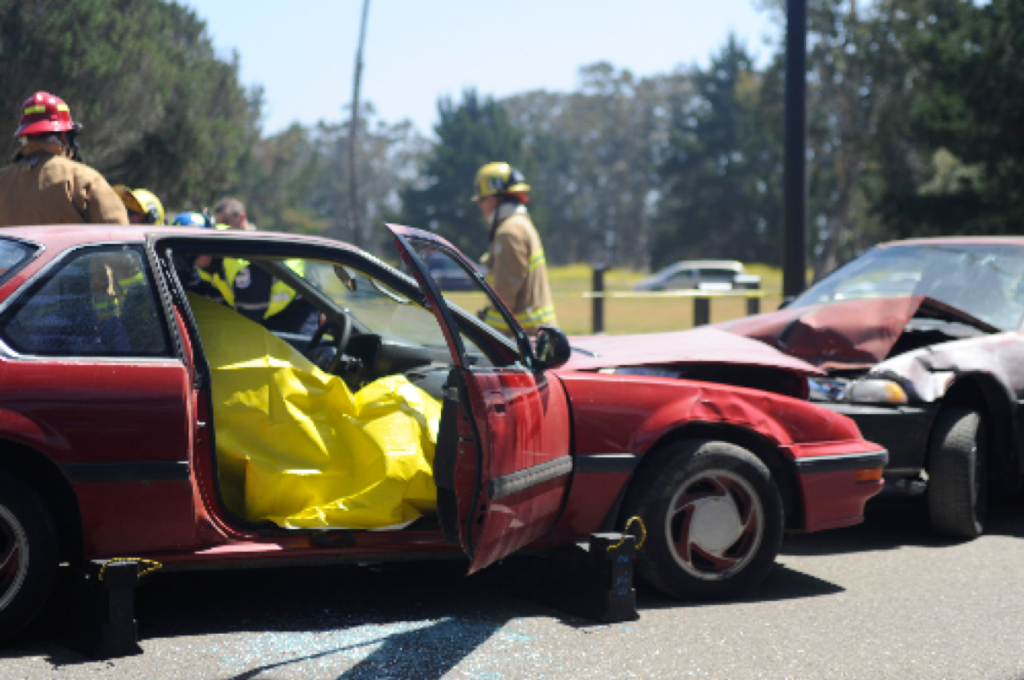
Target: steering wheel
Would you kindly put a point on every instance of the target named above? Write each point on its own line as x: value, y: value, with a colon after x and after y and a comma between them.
x: 344, y: 328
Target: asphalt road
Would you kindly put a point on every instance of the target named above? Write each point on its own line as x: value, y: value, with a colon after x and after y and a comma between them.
x: 882, y: 600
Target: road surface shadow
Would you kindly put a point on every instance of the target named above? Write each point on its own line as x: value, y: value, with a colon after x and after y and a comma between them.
x: 782, y: 583
x: 893, y: 520
x: 375, y: 615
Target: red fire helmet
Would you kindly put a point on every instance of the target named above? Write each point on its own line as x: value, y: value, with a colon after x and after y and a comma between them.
x: 42, y: 113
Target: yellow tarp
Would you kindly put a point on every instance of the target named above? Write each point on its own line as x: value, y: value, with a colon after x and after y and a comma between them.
x: 295, y: 447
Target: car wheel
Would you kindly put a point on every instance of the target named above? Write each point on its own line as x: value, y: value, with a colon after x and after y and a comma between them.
x: 958, y: 473
x: 28, y: 555
x: 713, y: 516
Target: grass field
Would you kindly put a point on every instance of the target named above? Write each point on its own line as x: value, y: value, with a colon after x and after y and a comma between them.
x: 633, y: 315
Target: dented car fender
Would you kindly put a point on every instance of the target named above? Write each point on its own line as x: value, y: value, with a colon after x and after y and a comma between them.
x: 928, y: 373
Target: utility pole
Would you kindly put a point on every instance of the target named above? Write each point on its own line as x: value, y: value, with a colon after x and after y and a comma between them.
x: 353, y: 133
x: 794, y: 213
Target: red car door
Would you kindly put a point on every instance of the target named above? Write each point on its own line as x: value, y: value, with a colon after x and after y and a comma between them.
x: 510, y: 469
x: 110, y: 393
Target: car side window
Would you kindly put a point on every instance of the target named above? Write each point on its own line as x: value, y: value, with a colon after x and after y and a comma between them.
x: 99, y: 303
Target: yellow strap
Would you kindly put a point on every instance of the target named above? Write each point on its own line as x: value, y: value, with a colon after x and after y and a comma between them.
x: 153, y: 565
x: 35, y: 109
x: 629, y: 522
x: 63, y: 107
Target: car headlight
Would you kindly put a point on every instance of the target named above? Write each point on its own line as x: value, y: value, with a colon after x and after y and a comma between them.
x: 822, y: 388
x: 877, y: 391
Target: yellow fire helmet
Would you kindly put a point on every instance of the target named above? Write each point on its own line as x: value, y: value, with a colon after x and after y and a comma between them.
x: 143, y: 203
x: 498, y: 178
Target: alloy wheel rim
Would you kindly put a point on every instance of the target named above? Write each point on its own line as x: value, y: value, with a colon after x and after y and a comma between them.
x: 715, y: 525
x: 14, y: 555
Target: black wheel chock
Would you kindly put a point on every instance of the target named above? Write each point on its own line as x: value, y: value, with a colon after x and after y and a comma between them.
x: 97, y: 610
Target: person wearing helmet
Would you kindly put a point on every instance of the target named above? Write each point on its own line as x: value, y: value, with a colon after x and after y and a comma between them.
x: 252, y: 291
x: 46, y: 183
x: 517, y: 268
x: 143, y: 206
x: 192, y: 219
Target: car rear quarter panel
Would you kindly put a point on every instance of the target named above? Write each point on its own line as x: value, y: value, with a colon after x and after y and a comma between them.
x: 100, y: 417
x: 631, y: 414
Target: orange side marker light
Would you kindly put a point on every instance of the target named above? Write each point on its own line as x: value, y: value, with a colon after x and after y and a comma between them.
x: 869, y: 475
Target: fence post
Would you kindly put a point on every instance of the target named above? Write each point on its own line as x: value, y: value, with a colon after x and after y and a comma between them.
x: 701, y: 311
x: 749, y: 282
x: 598, y: 301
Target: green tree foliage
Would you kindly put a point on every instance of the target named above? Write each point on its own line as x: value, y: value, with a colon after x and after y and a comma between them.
x: 860, y: 86
x: 159, y: 108
x: 596, y: 154
x: 722, y: 175
x: 470, y: 133
x: 279, y: 176
x: 297, y: 180
x: 969, y: 112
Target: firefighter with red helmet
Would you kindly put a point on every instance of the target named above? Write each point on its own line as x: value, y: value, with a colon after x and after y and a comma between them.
x: 46, y: 183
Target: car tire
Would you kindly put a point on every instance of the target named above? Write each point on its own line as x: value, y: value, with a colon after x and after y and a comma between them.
x: 713, y: 516
x: 28, y: 555
x: 958, y: 473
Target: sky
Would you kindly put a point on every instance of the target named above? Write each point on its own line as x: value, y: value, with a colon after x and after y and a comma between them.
x: 303, y: 54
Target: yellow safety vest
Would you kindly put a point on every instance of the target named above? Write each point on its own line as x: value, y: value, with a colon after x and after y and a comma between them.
x: 281, y: 294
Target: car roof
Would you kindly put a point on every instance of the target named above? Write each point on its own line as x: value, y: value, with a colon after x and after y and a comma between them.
x: 704, y: 264
x: 956, y: 240
x: 69, y: 235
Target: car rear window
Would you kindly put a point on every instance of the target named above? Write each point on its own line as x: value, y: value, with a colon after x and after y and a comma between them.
x: 98, y: 303
x: 13, y: 256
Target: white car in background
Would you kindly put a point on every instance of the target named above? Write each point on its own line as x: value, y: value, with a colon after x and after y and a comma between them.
x: 700, y: 275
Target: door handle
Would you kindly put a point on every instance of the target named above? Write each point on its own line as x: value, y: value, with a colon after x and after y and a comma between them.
x: 497, y: 403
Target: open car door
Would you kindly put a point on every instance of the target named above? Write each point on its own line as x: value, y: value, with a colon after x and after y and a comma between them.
x: 503, y: 460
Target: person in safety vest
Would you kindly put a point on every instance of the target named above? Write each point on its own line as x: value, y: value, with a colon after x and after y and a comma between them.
x: 192, y: 270
x: 516, y: 265
x: 143, y: 206
x: 253, y: 291
x: 46, y: 182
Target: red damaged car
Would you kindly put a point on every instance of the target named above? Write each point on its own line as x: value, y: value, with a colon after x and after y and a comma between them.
x: 922, y: 345
x: 137, y: 420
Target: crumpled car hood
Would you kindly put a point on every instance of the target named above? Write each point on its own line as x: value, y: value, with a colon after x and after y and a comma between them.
x: 836, y: 335
x: 699, y: 345
x: 850, y: 334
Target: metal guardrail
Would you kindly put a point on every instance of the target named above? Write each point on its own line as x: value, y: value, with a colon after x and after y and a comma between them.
x: 701, y: 299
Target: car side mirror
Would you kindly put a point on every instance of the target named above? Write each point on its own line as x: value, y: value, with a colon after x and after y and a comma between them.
x: 551, y: 348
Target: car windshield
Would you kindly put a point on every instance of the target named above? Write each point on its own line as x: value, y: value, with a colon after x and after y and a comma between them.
x: 376, y: 306
x: 382, y: 310
x: 984, y: 280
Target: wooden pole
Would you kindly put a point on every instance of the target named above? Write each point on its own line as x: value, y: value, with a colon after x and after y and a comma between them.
x: 353, y: 133
x: 794, y: 239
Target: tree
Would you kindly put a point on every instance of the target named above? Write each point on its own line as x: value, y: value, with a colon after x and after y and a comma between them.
x: 471, y: 133
x: 861, y: 83
x: 969, y: 113
x: 722, y: 176
x: 297, y: 180
x: 596, y: 152
x: 160, y: 110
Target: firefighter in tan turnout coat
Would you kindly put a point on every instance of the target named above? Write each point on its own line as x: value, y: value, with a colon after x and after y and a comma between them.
x: 45, y: 183
x: 517, y: 268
